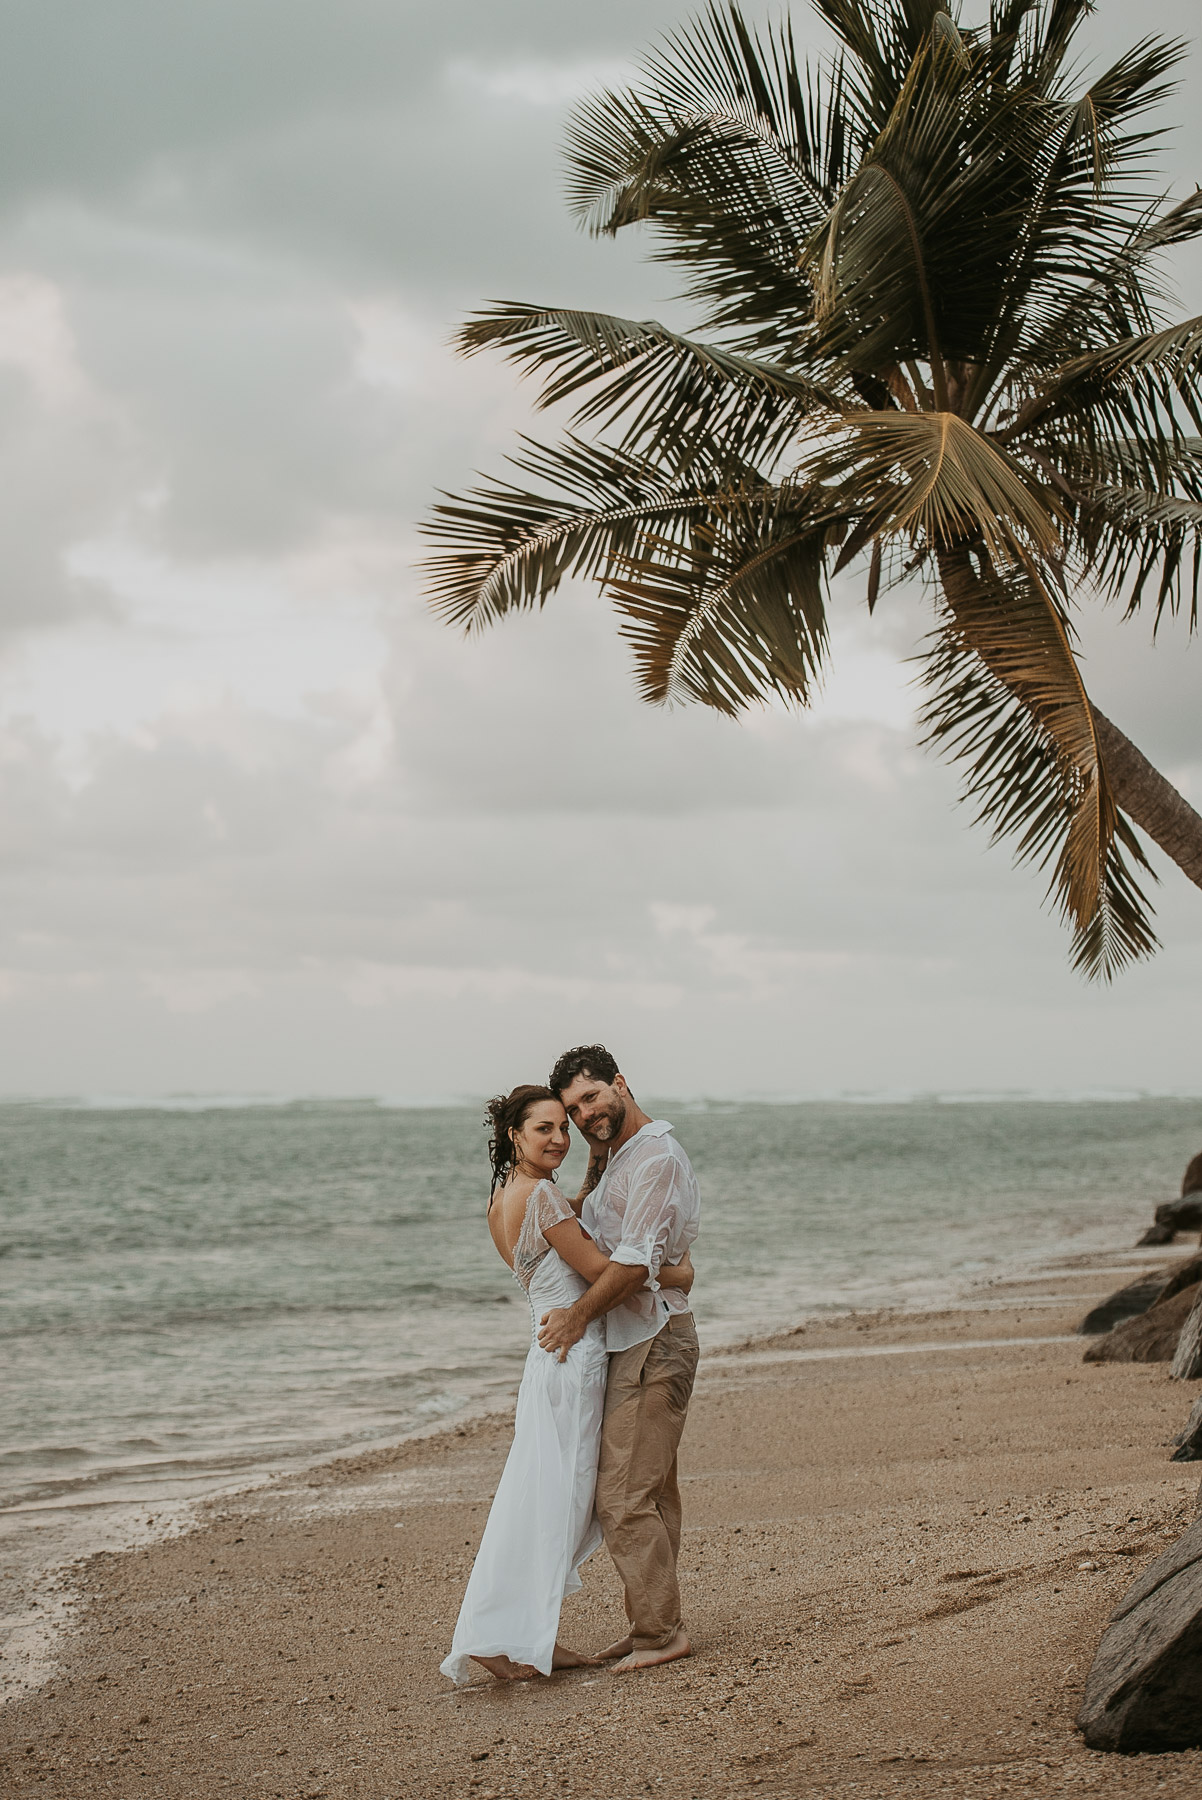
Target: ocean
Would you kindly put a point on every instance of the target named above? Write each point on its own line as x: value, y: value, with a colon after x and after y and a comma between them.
x: 193, y: 1297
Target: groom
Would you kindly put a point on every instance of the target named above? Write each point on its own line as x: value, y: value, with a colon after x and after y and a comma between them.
x: 641, y: 1206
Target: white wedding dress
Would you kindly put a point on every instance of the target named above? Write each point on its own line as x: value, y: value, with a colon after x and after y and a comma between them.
x: 542, y: 1525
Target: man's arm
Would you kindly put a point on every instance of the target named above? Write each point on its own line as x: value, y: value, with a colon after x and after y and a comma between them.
x: 598, y: 1156
x: 564, y: 1326
x: 651, y: 1211
x: 652, y: 1216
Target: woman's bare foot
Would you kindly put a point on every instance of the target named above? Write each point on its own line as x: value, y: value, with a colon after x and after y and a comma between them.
x: 503, y: 1668
x: 572, y: 1659
x: 647, y: 1659
x: 623, y: 1647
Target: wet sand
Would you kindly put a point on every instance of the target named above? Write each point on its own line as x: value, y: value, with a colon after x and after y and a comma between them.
x: 903, y: 1537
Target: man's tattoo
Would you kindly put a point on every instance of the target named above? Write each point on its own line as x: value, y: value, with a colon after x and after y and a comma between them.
x: 593, y: 1174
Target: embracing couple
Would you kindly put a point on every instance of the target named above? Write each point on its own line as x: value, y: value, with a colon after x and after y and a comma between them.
x: 607, y: 1382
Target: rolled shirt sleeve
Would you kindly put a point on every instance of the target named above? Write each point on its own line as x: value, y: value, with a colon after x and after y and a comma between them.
x: 652, y: 1210
x: 644, y: 1213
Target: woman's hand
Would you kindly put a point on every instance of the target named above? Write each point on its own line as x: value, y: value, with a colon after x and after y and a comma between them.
x: 678, y: 1275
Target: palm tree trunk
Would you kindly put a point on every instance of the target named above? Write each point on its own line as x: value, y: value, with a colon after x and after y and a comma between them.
x: 1187, y: 1358
x: 1145, y: 796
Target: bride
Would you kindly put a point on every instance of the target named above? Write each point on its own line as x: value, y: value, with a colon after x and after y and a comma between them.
x: 542, y: 1526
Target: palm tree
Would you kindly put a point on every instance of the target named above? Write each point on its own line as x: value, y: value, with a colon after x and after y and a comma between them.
x: 933, y: 344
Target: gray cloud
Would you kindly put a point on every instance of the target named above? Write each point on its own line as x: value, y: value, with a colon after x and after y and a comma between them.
x: 818, y: 913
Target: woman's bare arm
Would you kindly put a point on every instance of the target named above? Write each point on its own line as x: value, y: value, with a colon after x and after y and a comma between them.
x: 573, y: 1243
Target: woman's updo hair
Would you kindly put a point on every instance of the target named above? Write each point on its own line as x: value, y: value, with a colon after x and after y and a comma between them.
x: 505, y: 1115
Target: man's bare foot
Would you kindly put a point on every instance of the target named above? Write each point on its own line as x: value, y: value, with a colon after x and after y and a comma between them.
x: 647, y: 1659
x: 572, y: 1659
x: 503, y: 1668
x: 623, y: 1647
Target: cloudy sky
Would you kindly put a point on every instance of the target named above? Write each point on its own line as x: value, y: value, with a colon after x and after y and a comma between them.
x: 269, y: 828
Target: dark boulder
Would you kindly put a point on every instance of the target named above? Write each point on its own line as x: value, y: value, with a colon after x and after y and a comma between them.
x: 1174, y: 1216
x: 1192, y: 1184
x: 1187, y: 1274
x: 1150, y: 1338
x: 1144, y: 1690
x: 1140, y: 1296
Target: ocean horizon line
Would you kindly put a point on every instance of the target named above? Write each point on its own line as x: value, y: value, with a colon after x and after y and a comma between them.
x: 216, y: 1101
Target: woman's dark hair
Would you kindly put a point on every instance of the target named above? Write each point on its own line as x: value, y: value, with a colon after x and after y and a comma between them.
x: 507, y: 1114
x: 593, y: 1060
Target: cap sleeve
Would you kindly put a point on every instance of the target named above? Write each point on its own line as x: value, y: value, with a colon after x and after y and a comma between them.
x: 548, y: 1207
x: 545, y: 1209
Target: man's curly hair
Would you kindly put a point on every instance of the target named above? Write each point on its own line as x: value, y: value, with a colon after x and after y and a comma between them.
x: 585, y: 1059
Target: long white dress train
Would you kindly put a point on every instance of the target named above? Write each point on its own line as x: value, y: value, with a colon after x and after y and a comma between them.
x: 542, y: 1524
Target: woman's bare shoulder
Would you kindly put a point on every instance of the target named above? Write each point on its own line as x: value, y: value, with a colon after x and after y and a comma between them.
x: 507, y: 1212
x: 514, y: 1192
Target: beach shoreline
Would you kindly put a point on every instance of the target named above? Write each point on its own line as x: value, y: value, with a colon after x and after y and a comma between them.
x: 44, y: 1544
x: 904, y: 1532
x: 192, y: 1301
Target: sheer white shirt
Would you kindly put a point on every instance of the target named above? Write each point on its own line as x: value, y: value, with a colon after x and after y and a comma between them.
x: 645, y: 1210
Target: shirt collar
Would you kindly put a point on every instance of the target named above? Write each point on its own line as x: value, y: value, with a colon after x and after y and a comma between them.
x: 654, y: 1128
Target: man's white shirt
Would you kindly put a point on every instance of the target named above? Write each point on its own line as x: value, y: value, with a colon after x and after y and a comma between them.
x: 645, y: 1211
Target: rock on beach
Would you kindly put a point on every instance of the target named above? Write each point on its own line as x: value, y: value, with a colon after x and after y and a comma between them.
x: 1152, y: 1337
x: 1140, y: 1296
x: 1144, y: 1691
x: 1184, y: 1214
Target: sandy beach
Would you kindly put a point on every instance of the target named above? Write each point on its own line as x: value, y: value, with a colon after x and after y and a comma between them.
x: 903, y: 1536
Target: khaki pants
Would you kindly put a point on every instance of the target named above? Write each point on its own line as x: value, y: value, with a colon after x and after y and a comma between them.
x: 638, y: 1501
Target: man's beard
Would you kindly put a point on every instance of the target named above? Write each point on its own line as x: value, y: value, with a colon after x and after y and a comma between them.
x: 610, y: 1123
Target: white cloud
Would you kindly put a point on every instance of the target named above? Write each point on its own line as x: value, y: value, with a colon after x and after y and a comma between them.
x: 392, y: 351
x: 291, y: 640
x: 200, y: 990
x: 534, y: 81
x: 732, y: 957
x: 377, y: 984
x: 37, y: 340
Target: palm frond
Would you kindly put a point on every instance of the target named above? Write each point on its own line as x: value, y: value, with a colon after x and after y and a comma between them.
x: 502, y: 548
x: 1006, y: 702
x: 938, y: 219
x: 1007, y: 21
x: 873, y: 294
x: 1056, y: 24
x: 731, y: 150
x: 1130, y: 392
x: 1117, y: 293
x: 884, y: 41
x: 932, y: 476
x: 748, y: 85
x: 1174, y: 353
x: 667, y: 391
x: 736, y: 615
x: 1128, y: 535
x: 1078, y: 228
